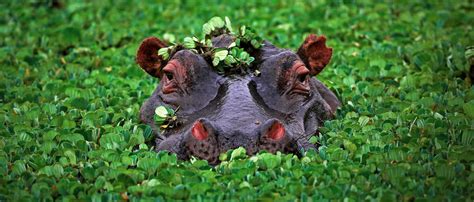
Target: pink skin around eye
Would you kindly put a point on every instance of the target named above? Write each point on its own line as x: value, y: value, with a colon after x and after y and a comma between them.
x: 300, y: 69
x: 170, y: 86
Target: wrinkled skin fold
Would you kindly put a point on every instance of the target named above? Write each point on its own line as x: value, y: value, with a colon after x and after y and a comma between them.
x: 278, y: 110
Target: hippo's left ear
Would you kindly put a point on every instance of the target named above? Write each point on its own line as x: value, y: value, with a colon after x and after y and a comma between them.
x: 148, y: 58
x: 314, y: 53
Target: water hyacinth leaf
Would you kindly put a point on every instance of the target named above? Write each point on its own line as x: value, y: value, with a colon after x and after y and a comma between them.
x: 221, y: 55
x: 467, y: 137
x: 161, y: 111
x: 269, y: 161
x: 313, y: 140
x: 242, y: 30
x: 209, y: 42
x: 217, y: 22
x: 250, y: 60
x: 244, y: 56
x: 469, y: 108
x: 150, y: 165
x: 237, y: 42
x: 234, y: 51
x: 19, y: 167
x: 189, y: 43
x: 170, y: 111
x: 229, y: 60
x: 136, y: 139
x: 164, y: 53
x: 238, y: 153
x: 79, y: 103
x: 71, y: 156
x: 207, y: 29
x: 169, y: 38
x: 363, y: 120
x: 215, y: 61
x: 228, y: 24
x: 255, y: 43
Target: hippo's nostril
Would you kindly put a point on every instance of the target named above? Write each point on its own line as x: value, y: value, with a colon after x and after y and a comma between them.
x: 199, y: 131
x: 274, y: 130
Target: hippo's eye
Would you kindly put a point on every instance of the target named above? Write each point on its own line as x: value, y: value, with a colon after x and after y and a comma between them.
x: 301, y: 72
x: 302, y: 77
x: 169, y: 71
x: 298, y: 77
x: 169, y: 75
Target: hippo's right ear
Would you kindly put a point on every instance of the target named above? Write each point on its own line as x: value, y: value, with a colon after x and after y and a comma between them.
x: 314, y: 53
x: 148, y: 58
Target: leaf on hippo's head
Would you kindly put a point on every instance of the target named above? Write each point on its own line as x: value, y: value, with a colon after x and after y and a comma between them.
x: 207, y: 28
x: 189, y: 43
x: 164, y: 53
x: 161, y: 111
x: 217, y: 22
x: 221, y: 54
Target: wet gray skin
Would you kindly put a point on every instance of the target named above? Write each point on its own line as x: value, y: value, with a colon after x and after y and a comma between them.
x: 278, y: 110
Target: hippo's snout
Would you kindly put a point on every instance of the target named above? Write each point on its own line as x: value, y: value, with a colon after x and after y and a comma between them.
x: 206, y: 141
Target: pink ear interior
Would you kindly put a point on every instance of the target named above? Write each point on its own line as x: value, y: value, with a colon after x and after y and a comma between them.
x: 199, y: 131
x: 276, y: 131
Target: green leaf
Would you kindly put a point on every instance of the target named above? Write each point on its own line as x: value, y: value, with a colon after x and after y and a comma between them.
x: 71, y: 156
x: 469, y: 108
x: 161, y: 111
x: 171, y: 112
x: 136, y: 139
x: 217, y: 22
x: 238, y: 153
x: 79, y: 103
x: 207, y: 28
x: 150, y: 165
x: 250, y: 60
x: 229, y: 60
x: 363, y: 120
x: 169, y: 37
x: 269, y: 161
x: 255, y: 43
x: 19, y: 167
x: 221, y: 55
x: 350, y: 146
x: 228, y: 24
x: 209, y: 42
x: 313, y: 139
x: 467, y: 137
x: 242, y: 30
x: 189, y: 43
x: 215, y: 61
x: 164, y: 53
x: 244, y: 56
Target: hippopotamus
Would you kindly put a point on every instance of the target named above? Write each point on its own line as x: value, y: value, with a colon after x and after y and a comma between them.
x: 279, y: 109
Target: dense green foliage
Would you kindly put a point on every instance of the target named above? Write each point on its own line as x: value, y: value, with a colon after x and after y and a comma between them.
x: 70, y: 93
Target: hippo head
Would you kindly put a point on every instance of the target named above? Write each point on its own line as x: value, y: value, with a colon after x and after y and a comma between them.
x: 278, y: 109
